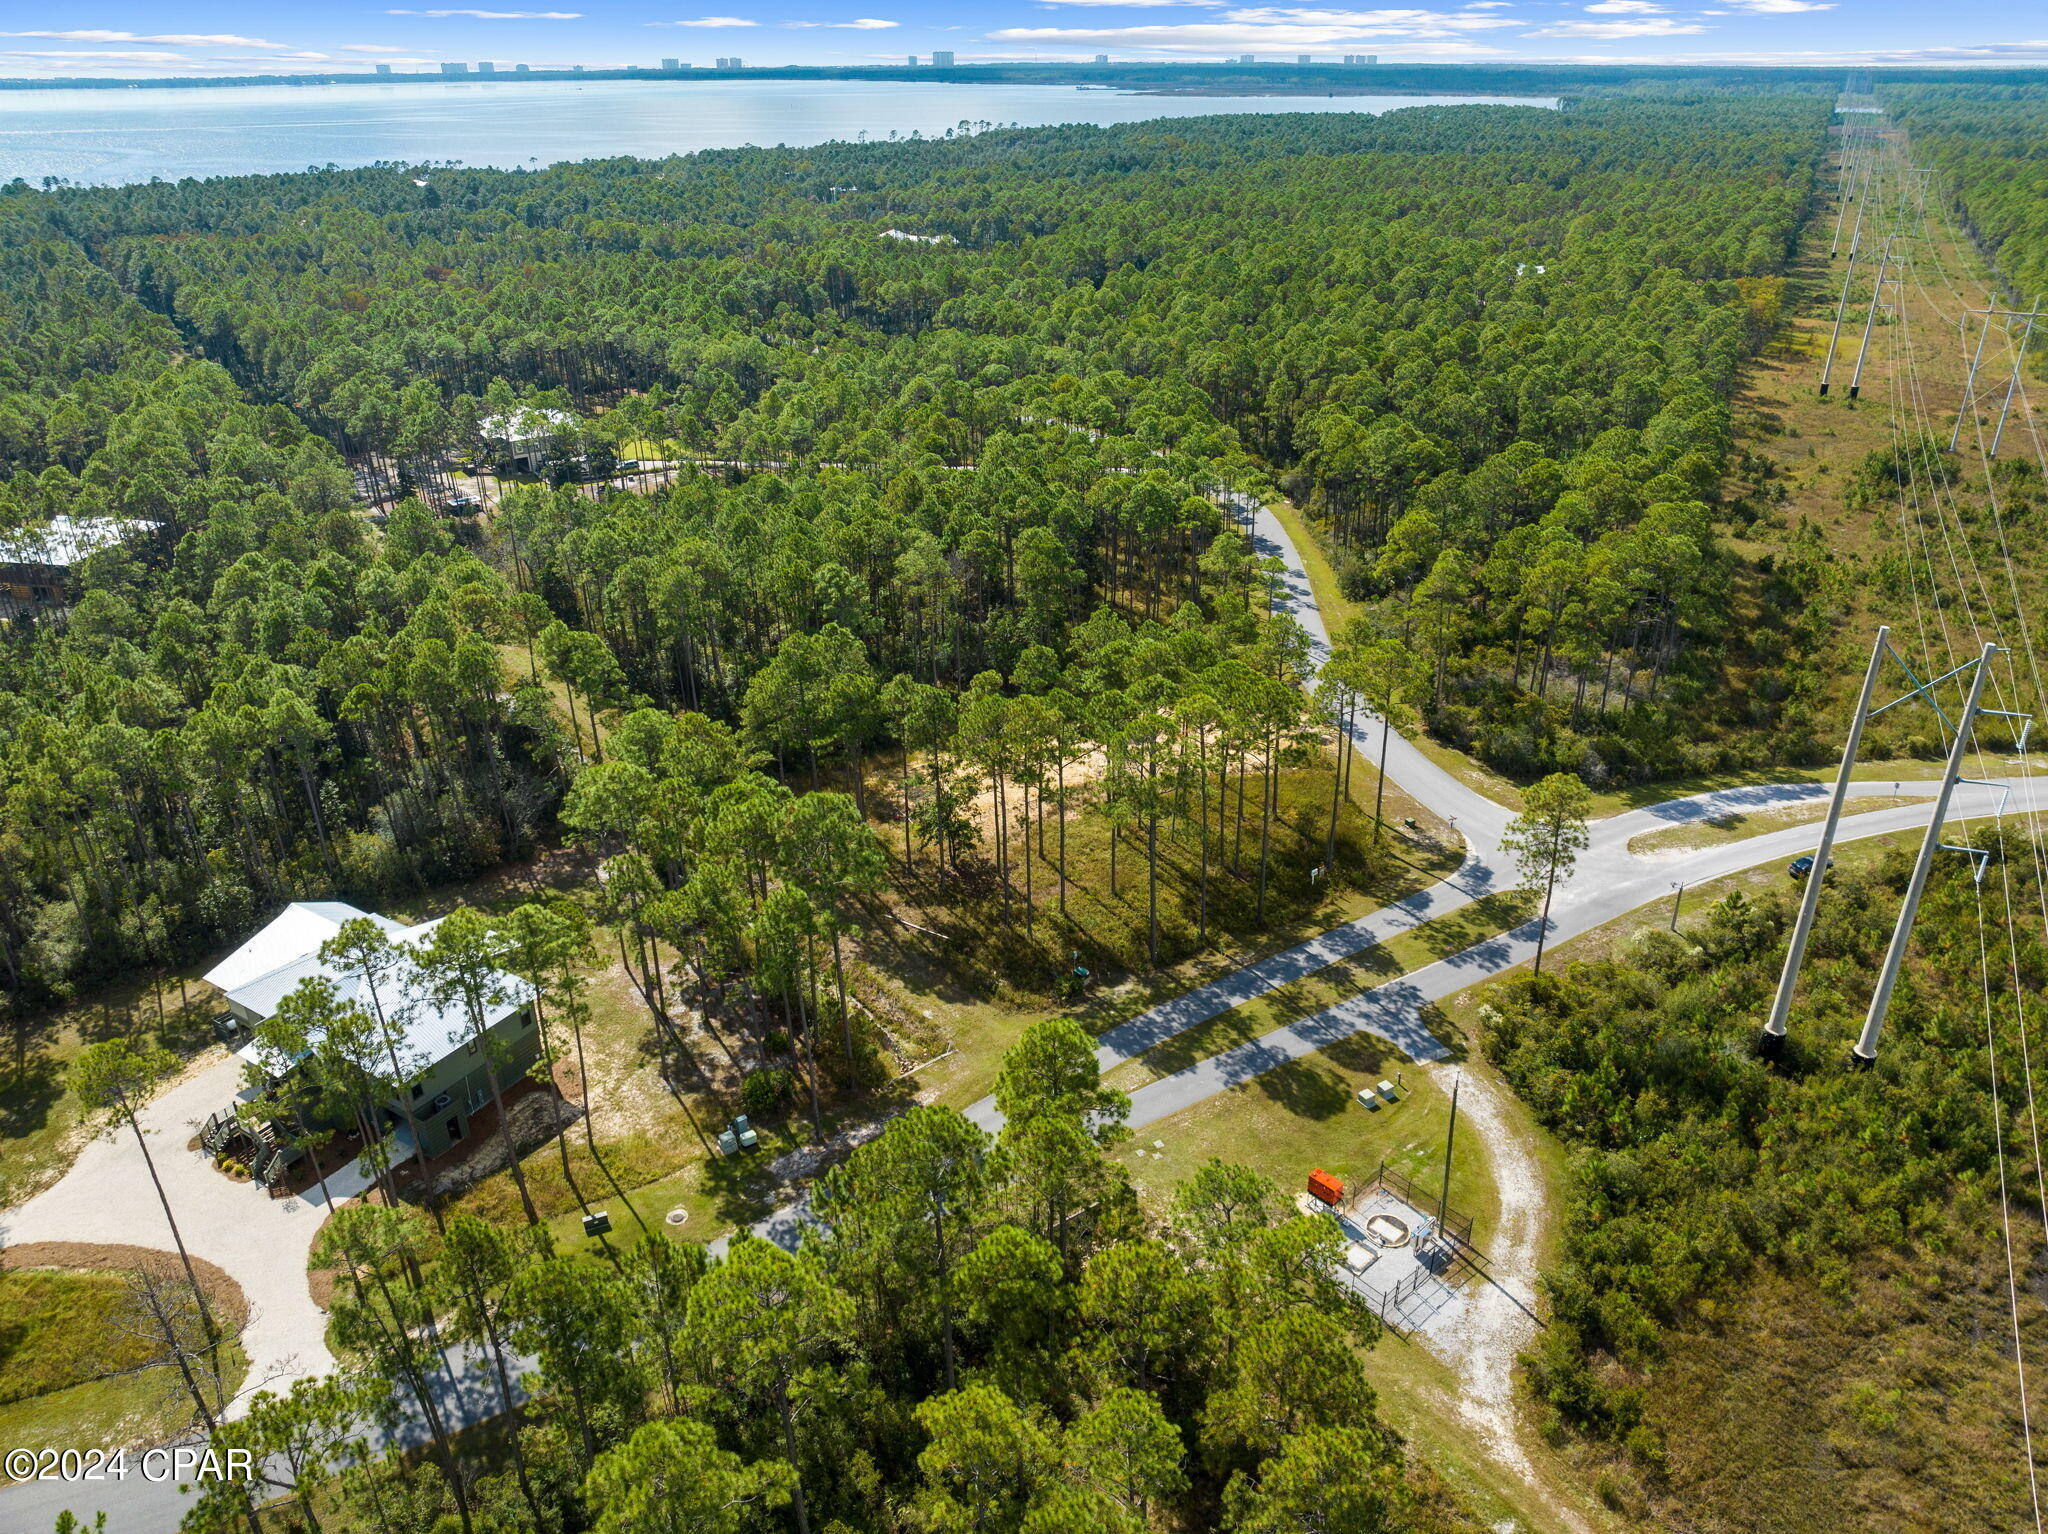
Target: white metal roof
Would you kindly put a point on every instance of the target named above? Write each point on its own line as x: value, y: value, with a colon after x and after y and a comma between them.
x: 528, y: 423
x: 66, y: 540
x: 298, y: 930
x: 431, y: 1031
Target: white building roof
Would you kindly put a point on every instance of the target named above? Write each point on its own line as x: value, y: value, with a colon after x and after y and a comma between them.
x: 67, y: 540
x: 299, y: 930
x: 290, y: 947
x: 529, y: 423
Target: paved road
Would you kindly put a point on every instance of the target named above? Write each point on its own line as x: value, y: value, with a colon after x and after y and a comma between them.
x: 102, y: 1195
x: 465, y: 1392
x: 1609, y: 881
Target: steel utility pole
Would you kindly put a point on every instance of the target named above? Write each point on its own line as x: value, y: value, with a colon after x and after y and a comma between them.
x: 1970, y: 378
x: 2018, y: 359
x: 1869, y: 191
x: 1827, y: 367
x: 1864, y: 1055
x: 1876, y: 293
x: 1771, y: 1043
x: 1990, y: 311
x: 1443, y: 1202
x: 1852, y: 170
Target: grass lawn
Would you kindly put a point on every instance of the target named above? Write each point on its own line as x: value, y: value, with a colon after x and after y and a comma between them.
x: 73, y: 1371
x: 645, y: 448
x: 1305, y: 1115
x: 45, y: 1316
x: 142, y: 1408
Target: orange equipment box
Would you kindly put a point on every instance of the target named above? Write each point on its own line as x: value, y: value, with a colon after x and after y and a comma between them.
x: 1326, y: 1187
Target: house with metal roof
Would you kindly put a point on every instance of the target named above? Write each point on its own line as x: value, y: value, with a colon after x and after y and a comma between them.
x: 520, y: 440
x: 38, y: 565
x: 445, y: 1062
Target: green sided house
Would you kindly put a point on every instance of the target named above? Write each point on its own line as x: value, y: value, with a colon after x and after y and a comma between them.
x: 438, y: 1050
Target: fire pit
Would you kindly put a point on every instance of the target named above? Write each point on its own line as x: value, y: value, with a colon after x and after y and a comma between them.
x: 1388, y: 1230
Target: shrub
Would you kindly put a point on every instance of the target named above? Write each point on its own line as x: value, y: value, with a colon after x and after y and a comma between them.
x: 766, y: 1090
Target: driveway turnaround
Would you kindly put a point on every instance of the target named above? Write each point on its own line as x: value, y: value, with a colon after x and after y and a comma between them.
x: 261, y: 1242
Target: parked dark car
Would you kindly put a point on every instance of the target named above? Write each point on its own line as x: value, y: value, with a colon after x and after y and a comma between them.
x: 1801, y: 867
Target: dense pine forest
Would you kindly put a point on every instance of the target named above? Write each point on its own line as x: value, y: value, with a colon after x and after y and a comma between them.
x: 1985, y: 141
x: 1490, y: 346
x: 763, y: 534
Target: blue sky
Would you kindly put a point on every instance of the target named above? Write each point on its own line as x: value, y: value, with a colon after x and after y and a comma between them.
x: 174, y: 37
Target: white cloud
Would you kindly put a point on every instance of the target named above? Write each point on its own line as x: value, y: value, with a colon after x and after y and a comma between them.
x: 99, y: 35
x: 1275, y: 28
x: 1778, y: 7
x: 708, y: 21
x: 1646, y: 28
x: 94, y: 53
x: 1135, y: 5
x: 1626, y: 8
x: 2034, y: 51
x: 498, y: 15
x: 863, y: 24
x: 374, y: 48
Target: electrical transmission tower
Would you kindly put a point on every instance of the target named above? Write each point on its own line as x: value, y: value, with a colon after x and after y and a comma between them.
x: 1771, y: 1042
x: 1971, y: 397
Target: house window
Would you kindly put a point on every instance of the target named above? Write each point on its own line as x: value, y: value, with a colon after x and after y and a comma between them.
x: 418, y: 1087
x: 470, y: 1046
x: 454, y: 1128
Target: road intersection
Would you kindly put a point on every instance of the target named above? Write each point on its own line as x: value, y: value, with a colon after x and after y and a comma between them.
x: 1610, y: 879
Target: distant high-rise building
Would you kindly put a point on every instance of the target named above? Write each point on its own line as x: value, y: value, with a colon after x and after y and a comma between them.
x: 1102, y: 58
x: 383, y: 69
x: 1244, y: 58
x: 941, y: 60
x: 575, y: 69
x: 486, y: 67
x: 731, y: 63
x: 1372, y: 58
x: 911, y: 61
x: 671, y: 64
x: 522, y: 69
x: 1302, y: 58
x: 454, y: 69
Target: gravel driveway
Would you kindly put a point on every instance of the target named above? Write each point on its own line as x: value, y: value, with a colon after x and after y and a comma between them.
x: 260, y: 1241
